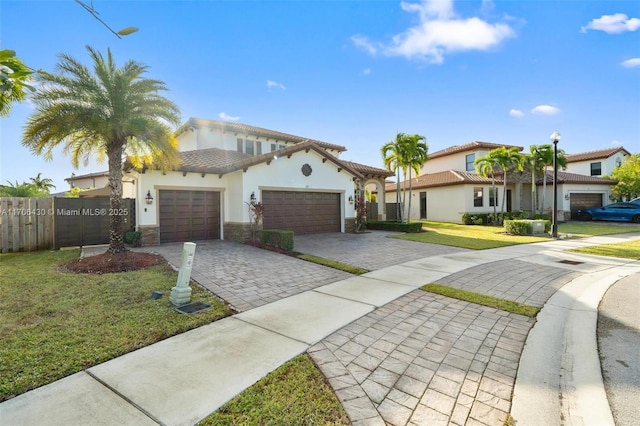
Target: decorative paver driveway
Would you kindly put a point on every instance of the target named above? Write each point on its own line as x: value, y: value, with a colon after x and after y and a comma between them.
x: 426, y: 359
x: 371, y: 250
x: 247, y: 277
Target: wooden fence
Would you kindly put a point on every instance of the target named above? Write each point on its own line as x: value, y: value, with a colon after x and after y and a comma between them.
x: 26, y: 224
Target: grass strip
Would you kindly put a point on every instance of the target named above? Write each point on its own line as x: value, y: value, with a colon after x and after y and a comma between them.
x: 626, y: 250
x: 481, y: 299
x: 54, y: 324
x: 294, y: 394
x: 333, y: 264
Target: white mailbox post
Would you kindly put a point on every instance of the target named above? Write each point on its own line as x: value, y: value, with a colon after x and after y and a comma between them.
x: 181, y: 293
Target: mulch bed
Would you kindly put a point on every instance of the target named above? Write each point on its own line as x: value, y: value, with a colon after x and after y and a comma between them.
x: 108, y: 263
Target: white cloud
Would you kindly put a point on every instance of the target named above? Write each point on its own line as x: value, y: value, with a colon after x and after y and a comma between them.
x: 223, y: 115
x: 631, y: 63
x: 274, y: 84
x: 439, y: 32
x: 545, y: 110
x: 364, y: 43
x: 612, y: 24
x: 516, y: 113
x: 366, y: 71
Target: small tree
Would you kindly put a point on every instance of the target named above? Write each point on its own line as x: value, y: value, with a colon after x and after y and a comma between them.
x: 628, y: 177
x: 361, y: 214
x: 256, y: 214
x: 23, y: 189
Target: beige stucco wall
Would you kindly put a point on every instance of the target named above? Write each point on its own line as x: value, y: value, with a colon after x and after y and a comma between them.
x: 607, y: 165
x: 236, y: 188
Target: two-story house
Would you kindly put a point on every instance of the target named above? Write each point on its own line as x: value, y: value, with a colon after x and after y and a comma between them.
x: 302, y: 183
x: 448, y: 185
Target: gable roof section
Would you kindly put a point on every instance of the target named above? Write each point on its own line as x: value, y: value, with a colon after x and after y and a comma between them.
x: 564, y: 177
x: 594, y: 155
x: 369, y: 171
x: 244, y: 129
x: 88, y: 175
x: 221, y: 162
x: 471, y: 146
x: 446, y: 178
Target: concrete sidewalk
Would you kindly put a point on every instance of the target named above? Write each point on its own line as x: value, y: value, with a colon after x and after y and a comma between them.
x: 183, y: 379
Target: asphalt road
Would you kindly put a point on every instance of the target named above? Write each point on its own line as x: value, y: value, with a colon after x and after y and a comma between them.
x: 619, y: 347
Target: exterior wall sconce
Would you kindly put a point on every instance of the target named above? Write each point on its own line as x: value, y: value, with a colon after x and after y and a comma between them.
x: 252, y: 198
x: 566, y: 196
x: 149, y: 197
x: 350, y: 199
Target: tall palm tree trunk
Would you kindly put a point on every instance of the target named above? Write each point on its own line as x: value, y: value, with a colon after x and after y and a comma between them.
x: 116, y: 239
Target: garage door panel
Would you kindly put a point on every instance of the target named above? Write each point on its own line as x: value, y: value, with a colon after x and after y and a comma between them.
x: 189, y: 215
x: 583, y: 201
x: 302, y: 212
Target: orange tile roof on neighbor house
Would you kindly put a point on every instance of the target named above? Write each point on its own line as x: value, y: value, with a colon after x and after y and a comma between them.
x: 246, y: 130
x: 469, y: 147
x: 593, y: 155
x: 446, y: 178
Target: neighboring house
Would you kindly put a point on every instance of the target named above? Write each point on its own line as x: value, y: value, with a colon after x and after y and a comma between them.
x: 98, y: 185
x: 301, y: 182
x: 596, y: 163
x: 449, y: 186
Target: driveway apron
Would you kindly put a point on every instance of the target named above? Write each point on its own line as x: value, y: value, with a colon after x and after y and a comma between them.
x: 247, y: 277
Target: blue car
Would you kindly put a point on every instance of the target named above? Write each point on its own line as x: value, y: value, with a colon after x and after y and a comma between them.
x: 617, y: 211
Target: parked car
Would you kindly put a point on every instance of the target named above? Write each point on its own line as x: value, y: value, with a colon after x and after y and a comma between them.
x: 635, y: 200
x: 616, y: 211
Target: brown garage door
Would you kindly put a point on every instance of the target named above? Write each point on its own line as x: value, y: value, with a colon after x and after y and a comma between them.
x: 189, y: 215
x: 301, y: 212
x: 583, y: 201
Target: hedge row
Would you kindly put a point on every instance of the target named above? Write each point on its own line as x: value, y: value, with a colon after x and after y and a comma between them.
x: 411, y: 227
x: 277, y: 238
x: 523, y: 227
x: 498, y: 218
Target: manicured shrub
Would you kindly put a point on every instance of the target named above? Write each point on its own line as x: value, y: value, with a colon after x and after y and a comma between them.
x: 411, y: 227
x: 277, y: 238
x: 490, y: 218
x: 518, y: 227
x: 133, y: 238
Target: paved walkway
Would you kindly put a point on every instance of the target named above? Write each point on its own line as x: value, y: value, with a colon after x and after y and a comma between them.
x: 394, y: 354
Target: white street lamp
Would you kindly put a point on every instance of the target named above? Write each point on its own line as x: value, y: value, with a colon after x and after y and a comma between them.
x: 555, y: 138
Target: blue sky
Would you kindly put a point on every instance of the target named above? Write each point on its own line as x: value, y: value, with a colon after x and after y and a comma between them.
x: 355, y: 73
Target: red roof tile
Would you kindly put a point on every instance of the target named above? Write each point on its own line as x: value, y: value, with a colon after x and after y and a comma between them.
x: 593, y: 155
x: 471, y: 146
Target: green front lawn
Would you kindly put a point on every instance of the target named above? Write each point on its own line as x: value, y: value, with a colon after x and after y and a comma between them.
x: 53, y: 324
x: 627, y: 250
x: 479, y: 237
x: 294, y: 394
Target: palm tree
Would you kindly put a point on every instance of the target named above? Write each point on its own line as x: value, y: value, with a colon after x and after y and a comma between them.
x: 392, y: 160
x: 546, y: 154
x: 535, y: 163
x: 43, y: 185
x: 23, y: 189
x: 108, y: 112
x: 508, y: 159
x: 486, y: 166
x: 416, y: 152
x: 14, y: 76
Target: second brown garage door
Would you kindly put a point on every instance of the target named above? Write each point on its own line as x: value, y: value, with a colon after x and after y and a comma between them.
x: 583, y: 201
x: 189, y: 215
x: 301, y: 212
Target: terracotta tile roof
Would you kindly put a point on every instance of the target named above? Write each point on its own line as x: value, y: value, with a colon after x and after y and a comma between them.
x: 88, y: 175
x: 245, y: 129
x: 593, y: 155
x: 447, y: 178
x: 471, y: 146
x: 564, y: 177
x: 368, y: 170
x: 219, y: 161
